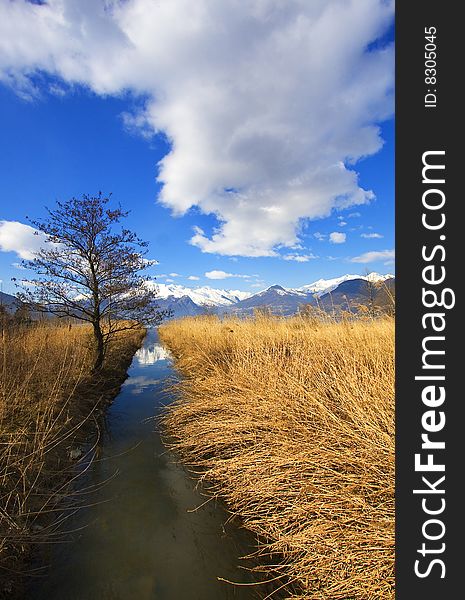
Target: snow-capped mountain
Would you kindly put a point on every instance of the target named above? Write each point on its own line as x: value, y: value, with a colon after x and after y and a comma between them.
x: 206, y: 296
x: 202, y: 296
x: 276, y: 298
x: 183, y: 301
x: 323, y: 286
x: 331, y: 294
x: 360, y: 291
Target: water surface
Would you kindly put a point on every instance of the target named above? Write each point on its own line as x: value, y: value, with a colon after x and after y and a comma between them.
x: 140, y: 539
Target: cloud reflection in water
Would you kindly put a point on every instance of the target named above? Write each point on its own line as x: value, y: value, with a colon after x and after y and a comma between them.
x: 151, y: 354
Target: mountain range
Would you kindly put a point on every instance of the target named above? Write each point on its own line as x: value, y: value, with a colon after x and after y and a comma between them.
x: 345, y: 292
x: 340, y: 292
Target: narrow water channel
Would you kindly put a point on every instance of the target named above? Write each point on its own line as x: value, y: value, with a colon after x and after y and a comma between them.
x: 140, y: 539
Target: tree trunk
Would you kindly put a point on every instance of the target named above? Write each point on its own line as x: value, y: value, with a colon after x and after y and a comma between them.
x: 100, y: 349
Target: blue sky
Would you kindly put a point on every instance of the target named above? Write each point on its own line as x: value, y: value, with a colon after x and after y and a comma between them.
x: 68, y: 130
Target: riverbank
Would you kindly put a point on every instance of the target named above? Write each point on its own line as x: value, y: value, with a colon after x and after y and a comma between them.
x: 291, y: 422
x: 50, y: 413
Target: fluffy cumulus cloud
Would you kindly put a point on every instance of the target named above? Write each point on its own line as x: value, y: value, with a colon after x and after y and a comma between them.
x: 267, y: 104
x: 22, y: 239
x: 373, y: 256
x: 336, y: 237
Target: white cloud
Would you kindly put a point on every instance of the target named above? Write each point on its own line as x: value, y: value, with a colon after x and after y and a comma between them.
x: 342, y: 223
x: 223, y: 275
x: 193, y: 278
x: 174, y: 275
x: 371, y: 235
x: 218, y: 275
x: 299, y: 257
x: 368, y: 257
x: 354, y: 215
x: 22, y: 239
x: 151, y: 262
x: 336, y: 237
x: 319, y: 236
x: 266, y: 103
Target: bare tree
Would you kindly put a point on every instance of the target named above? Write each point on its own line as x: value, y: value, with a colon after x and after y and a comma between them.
x: 91, y: 270
x: 306, y: 310
x: 381, y: 297
x: 388, y: 298
x: 4, y: 317
x: 22, y: 315
x: 264, y: 311
x: 372, y: 291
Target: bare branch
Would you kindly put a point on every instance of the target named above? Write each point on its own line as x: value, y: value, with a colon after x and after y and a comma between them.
x: 91, y: 271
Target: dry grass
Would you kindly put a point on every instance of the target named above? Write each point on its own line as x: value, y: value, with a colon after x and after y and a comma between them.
x: 47, y: 397
x: 291, y: 422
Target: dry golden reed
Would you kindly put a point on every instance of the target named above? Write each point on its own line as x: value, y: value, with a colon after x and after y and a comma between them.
x: 291, y: 422
x: 47, y: 396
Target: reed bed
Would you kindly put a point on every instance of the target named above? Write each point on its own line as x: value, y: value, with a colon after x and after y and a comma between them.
x: 49, y: 404
x: 291, y: 422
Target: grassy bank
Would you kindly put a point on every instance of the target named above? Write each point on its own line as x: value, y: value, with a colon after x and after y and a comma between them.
x: 291, y: 422
x: 49, y: 406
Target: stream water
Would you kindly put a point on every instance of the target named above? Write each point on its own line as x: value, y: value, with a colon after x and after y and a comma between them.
x: 140, y: 538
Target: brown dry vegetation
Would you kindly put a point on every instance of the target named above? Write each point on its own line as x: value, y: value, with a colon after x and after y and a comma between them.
x: 49, y: 404
x: 291, y: 422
